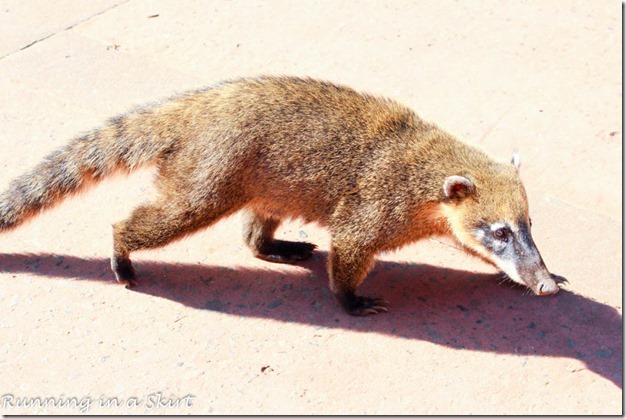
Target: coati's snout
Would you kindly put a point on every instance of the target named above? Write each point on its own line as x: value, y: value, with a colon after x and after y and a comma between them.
x: 510, y: 246
x: 492, y: 221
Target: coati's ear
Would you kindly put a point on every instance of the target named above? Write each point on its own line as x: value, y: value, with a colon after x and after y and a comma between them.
x: 458, y: 187
x: 515, y: 161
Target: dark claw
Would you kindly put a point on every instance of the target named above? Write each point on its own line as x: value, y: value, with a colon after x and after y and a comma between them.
x: 559, y: 279
x: 129, y: 284
x: 273, y: 258
x: 356, y: 305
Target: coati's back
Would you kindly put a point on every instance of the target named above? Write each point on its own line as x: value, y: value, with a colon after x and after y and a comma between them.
x: 301, y: 144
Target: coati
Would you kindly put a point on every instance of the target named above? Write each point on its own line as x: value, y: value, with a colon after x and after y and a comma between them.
x: 368, y: 169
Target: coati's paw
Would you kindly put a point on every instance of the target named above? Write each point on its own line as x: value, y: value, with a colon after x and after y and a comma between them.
x: 281, y: 251
x: 357, y: 305
x: 124, y: 272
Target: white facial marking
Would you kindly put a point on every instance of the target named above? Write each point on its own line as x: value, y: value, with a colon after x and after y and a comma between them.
x: 496, y: 226
x: 509, y: 268
x: 505, y: 224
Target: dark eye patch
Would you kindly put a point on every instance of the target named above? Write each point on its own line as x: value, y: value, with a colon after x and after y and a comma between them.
x: 497, y: 241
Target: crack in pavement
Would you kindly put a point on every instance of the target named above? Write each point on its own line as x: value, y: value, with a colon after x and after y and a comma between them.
x: 73, y: 25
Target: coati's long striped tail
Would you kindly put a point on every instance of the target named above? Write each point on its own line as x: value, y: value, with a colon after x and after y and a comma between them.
x: 125, y: 143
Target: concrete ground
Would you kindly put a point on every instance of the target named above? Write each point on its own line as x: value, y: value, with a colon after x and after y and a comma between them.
x: 211, y: 330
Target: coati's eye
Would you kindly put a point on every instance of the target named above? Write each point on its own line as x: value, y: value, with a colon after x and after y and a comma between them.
x: 502, y: 233
x: 530, y: 222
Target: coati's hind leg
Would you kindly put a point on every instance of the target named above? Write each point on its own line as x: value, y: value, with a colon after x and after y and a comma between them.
x: 258, y: 233
x: 155, y: 225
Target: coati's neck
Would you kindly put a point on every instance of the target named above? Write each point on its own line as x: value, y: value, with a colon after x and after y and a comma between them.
x: 437, y: 155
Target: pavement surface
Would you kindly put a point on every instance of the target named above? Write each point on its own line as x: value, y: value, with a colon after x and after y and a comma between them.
x: 211, y: 330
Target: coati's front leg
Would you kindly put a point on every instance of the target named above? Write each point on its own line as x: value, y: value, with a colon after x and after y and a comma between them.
x: 258, y: 232
x: 347, y: 268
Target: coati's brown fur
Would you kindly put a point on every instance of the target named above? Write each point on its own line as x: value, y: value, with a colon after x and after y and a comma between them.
x: 368, y: 169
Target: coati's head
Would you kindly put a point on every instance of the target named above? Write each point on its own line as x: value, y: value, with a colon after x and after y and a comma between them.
x: 487, y: 211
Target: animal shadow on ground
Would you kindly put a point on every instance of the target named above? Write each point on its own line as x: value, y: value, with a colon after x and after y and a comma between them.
x: 455, y: 308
